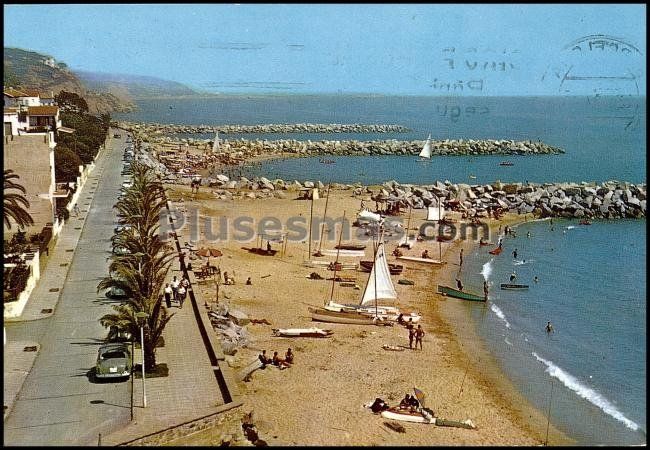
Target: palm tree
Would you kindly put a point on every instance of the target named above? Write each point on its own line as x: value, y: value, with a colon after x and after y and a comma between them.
x: 140, y: 273
x: 15, y: 205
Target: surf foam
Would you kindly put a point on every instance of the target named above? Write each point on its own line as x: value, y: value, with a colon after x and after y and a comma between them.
x: 585, y: 392
x: 486, y: 271
x: 499, y: 314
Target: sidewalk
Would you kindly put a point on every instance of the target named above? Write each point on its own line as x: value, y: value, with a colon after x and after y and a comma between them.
x: 17, y: 363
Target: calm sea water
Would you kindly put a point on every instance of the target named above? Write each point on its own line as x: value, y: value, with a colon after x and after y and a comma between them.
x: 592, y: 282
x: 591, y: 130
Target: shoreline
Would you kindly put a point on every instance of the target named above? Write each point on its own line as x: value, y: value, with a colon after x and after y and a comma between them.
x: 481, y: 363
x: 352, y: 362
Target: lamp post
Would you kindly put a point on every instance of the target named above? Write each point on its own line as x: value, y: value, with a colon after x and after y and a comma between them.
x: 142, y: 316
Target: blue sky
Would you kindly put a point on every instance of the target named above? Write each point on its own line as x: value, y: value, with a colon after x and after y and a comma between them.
x: 414, y: 49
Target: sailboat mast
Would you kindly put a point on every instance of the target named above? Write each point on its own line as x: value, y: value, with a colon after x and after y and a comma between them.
x: 338, y: 250
x: 320, y: 244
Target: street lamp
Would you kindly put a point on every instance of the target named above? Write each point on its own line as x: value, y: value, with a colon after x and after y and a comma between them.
x: 142, y: 316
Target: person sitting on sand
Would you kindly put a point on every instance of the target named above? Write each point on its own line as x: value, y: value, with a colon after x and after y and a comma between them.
x: 249, y: 282
x: 264, y: 359
x: 288, y: 357
x: 425, y: 254
x: 378, y: 406
x: 277, y: 361
x: 406, y: 402
x: 397, y: 252
x: 414, y: 403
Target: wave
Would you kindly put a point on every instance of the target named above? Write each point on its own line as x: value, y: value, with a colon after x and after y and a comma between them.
x: 570, y: 227
x: 486, y: 271
x: 507, y: 341
x: 586, y: 392
x: 499, y: 314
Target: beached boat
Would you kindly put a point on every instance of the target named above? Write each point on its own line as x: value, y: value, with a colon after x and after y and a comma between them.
x: 509, y: 286
x: 395, y: 269
x: 406, y: 415
x: 421, y: 260
x: 351, y: 246
x: 350, y: 317
x: 425, y: 153
x: 451, y: 292
x: 496, y: 251
x: 301, y: 332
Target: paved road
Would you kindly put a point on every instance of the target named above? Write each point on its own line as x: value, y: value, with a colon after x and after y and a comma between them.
x: 58, y: 404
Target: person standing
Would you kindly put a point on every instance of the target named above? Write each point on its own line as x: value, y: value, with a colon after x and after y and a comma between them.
x: 485, y: 289
x: 513, y: 277
x: 549, y: 327
x: 168, y: 295
x: 182, y: 292
x: 419, y: 334
x: 514, y: 253
x: 461, y: 257
x: 459, y: 284
x: 411, y: 336
x: 175, y: 283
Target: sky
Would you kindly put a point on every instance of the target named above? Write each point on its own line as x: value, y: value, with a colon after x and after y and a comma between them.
x: 413, y: 49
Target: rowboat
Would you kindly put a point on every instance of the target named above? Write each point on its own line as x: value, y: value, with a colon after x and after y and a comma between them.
x: 395, y: 269
x: 496, y: 251
x: 406, y: 415
x: 301, y: 332
x: 451, y: 292
x: 421, y: 260
x: 506, y: 163
x: 508, y: 286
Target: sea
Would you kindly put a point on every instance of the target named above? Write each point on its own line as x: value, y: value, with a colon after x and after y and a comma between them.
x: 589, y: 375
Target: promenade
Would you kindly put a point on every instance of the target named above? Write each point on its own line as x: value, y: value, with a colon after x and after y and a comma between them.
x: 49, y: 397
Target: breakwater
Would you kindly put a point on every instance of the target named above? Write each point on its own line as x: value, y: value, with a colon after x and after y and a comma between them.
x: 244, y: 149
x: 159, y: 128
x: 611, y: 199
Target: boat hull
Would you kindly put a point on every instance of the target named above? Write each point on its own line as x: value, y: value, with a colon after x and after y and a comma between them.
x: 451, y: 292
x: 395, y: 269
x: 406, y: 416
x: 301, y: 332
x: 420, y: 260
x: 514, y: 287
x: 354, y: 318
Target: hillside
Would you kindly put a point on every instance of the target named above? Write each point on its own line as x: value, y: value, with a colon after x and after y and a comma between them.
x: 135, y: 86
x: 29, y: 69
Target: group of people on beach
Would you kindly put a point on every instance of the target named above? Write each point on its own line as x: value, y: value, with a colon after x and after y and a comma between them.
x: 415, y: 334
x: 280, y: 363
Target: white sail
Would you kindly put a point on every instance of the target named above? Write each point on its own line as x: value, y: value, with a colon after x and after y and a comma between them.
x: 215, y: 145
x: 435, y: 213
x: 426, y: 150
x: 384, y: 285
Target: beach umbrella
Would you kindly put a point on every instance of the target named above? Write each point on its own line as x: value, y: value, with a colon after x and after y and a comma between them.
x: 419, y: 395
x: 209, y: 251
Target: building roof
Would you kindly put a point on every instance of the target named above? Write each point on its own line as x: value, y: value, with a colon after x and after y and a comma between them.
x: 47, y: 96
x: 11, y: 110
x: 31, y: 93
x: 11, y: 92
x: 43, y: 110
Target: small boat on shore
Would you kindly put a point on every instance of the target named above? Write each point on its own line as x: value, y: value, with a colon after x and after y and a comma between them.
x: 451, y: 292
x: 351, y: 246
x: 514, y: 287
x: 301, y: 332
x: 395, y: 269
x: 421, y: 260
x: 496, y: 251
x: 406, y: 415
x: 350, y: 317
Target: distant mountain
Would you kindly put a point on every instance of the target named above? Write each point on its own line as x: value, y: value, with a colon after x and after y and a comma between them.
x: 27, y: 69
x: 136, y: 87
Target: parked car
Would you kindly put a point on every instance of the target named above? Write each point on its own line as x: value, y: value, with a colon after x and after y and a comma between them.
x: 113, y: 361
x: 114, y: 292
x: 119, y: 250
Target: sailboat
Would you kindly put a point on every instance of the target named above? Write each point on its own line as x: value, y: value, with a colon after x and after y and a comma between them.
x: 425, y: 153
x: 379, y: 287
x: 215, y: 145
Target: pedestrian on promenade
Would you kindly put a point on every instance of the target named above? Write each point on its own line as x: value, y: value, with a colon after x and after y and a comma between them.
x: 181, y: 295
x: 411, y: 336
x: 75, y: 210
x: 168, y: 295
x: 419, y: 334
x: 181, y: 260
x: 175, y: 283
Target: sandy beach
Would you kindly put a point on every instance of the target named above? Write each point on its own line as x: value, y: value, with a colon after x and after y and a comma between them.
x: 319, y: 400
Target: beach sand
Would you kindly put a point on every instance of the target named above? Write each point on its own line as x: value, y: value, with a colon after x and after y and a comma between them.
x: 319, y: 400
